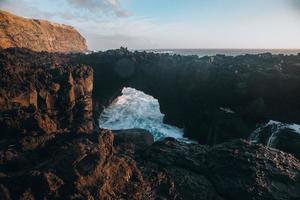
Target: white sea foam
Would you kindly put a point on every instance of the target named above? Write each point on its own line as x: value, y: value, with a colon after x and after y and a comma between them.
x: 276, y: 128
x: 135, y: 109
x: 227, y: 110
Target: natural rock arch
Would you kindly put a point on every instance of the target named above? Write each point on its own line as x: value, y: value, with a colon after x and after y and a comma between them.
x: 213, y: 98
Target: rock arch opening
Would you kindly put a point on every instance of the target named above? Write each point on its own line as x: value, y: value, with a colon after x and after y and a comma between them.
x: 135, y: 109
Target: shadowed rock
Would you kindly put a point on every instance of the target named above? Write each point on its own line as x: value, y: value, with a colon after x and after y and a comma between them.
x: 45, y: 98
x: 94, y: 167
x: 285, y: 137
x: 215, y: 99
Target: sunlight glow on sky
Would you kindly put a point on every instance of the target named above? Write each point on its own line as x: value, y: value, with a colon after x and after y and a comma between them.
x: 145, y: 24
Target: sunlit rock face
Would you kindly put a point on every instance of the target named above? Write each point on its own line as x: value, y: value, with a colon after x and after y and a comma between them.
x: 43, y: 94
x: 135, y: 109
x: 38, y: 35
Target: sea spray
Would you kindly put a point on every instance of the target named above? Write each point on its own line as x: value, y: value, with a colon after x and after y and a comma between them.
x: 135, y: 109
x: 276, y: 127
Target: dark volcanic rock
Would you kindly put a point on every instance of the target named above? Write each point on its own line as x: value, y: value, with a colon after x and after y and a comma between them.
x: 280, y: 136
x: 289, y: 141
x: 85, y: 167
x: 140, y: 138
x: 235, y: 170
x: 42, y: 94
x: 46, y: 98
x: 92, y: 167
x: 215, y: 99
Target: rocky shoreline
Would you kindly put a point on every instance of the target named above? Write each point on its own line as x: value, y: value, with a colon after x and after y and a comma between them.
x: 51, y: 147
x: 215, y: 99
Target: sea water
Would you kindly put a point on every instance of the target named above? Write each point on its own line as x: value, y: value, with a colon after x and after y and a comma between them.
x: 276, y: 128
x: 227, y: 52
x: 135, y: 109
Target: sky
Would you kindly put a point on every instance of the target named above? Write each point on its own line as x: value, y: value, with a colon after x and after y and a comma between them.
x: 156, y: 24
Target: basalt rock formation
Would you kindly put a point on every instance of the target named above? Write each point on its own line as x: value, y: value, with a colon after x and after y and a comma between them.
x: 285, y: 137
x: 41, y: 95
x: 50, y: 148
x: 215, y: 99
x: 38, y: 35
x: 93, y: 167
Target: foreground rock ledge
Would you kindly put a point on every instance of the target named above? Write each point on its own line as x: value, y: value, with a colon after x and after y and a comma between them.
x: 91, y: 167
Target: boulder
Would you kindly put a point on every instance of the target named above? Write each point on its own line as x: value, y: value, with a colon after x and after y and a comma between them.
x: 283, y: 136
x: 289, y: 141
x: 139, y: 137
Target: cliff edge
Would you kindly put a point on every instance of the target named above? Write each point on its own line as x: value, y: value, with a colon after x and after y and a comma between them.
x: 38, y: 35
x: 51, y: 149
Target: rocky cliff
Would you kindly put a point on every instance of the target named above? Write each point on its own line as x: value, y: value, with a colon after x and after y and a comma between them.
x: 215, y: 99
x: 41, y: 94
x: 49, y: 148
x: 38, y: 35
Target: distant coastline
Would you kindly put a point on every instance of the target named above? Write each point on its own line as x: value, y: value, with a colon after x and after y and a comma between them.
x: 227, y: 52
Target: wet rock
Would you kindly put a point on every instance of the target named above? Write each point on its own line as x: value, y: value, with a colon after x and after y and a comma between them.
x: 289, y: 141
x: 285, y: 137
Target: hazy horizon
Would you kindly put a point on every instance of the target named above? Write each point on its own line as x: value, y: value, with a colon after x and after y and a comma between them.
x: 142, y: 24
x: 213, y: 48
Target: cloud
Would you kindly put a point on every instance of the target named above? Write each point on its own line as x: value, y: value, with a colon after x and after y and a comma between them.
x: 91, y: 10
x: 105, y: 24
x: 20, y: 7
x: 95, y: 6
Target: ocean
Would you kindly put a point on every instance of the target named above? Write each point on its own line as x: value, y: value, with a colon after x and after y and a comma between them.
x: 135, y: 109
x: 227, y: 52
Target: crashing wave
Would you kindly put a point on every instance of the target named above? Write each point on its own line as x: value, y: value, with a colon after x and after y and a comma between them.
x: 135, y: 109
x: 276, y: 127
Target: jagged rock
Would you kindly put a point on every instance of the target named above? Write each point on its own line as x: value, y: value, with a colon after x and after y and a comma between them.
x: 234, y: 170
x: 95, y: 167
x: 46, y: 97
x: 43, y: 94
x: 85, y: 167
x: 197, y: 93
x: 38, y: 35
